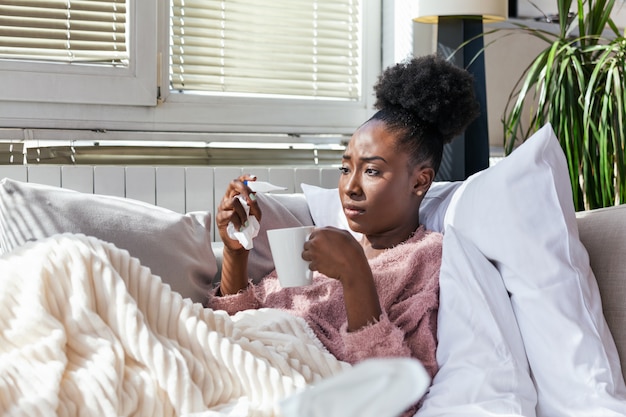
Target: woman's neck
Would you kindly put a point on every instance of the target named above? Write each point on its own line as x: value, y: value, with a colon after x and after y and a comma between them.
x: 375, y: 245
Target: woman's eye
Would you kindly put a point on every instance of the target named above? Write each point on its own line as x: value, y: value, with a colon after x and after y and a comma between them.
x: 343, y: 170
x: 372, y: 171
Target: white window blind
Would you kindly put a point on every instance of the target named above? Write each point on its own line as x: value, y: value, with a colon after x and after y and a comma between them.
x: 71, y: 31
x: 307, y: 48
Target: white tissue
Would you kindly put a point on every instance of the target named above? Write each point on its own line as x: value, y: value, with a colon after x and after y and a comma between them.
x: 264, y: 186
x: 247, y: 233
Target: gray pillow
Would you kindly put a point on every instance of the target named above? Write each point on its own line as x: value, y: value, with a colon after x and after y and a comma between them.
x: 177, y: 247
x: 279, y: 210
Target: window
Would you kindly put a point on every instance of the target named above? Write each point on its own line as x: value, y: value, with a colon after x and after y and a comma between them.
x: 192, y: 55
x: 285, y: 47
x: 77, y: 31
x: 78, y: 51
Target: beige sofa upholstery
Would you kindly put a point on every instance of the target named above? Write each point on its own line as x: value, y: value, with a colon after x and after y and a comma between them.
x: 603, y: 232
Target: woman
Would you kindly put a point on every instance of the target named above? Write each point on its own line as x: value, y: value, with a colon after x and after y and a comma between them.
x: 377, y: 297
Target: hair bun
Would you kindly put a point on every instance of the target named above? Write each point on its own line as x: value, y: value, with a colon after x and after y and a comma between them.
x: 436, y: 93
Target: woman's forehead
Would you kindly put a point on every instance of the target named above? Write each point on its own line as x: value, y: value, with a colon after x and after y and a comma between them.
x: 371, y: 139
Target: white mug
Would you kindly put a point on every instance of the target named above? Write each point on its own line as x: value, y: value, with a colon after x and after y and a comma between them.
x: 286, y: 246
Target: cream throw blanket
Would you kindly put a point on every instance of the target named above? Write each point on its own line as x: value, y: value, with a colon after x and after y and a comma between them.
x: 86, y: 330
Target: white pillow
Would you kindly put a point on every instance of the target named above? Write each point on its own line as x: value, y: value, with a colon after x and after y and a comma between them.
x: 175, y: 246
x: 520, y: 215
x: 325, y: 205
x: 435, y: 204
x: 483, y: 369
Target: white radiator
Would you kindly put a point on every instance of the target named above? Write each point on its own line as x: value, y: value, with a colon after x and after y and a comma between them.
x: 178, y: 188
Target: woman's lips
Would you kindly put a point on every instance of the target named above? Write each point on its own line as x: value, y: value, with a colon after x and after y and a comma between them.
x: 352, y: 212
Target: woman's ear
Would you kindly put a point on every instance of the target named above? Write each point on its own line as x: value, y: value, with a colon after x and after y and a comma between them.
x: 423, y: 177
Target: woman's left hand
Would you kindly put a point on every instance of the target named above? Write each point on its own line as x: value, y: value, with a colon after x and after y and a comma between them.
x: 336, y: 254
x: 333, y: 252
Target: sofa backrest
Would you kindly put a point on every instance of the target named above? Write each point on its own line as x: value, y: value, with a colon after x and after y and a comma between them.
x: 603, y: 232
x: 178, y: 188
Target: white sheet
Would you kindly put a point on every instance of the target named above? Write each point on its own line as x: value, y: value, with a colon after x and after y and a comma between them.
x: 86, y: 330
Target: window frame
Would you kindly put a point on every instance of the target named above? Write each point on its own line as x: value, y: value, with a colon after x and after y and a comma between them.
x: 176, y: 112
x: 47, y: 82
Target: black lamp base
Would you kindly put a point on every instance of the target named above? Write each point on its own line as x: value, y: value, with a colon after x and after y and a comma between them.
x: 468, y: 153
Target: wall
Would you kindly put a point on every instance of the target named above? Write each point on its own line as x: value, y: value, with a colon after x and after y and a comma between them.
x: 506, y: 58
x: 535, y: 8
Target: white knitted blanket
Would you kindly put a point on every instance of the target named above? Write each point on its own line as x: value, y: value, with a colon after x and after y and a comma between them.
x: 86, y: 330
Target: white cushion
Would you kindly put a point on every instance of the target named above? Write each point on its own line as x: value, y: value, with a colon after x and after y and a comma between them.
x: 520, y: 215
x: 325, y: 207
x: 483, y: 369
x: 175, y: 246
x: 435, y: 204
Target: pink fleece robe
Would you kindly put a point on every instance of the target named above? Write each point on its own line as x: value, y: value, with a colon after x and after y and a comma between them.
x: 407, y: 280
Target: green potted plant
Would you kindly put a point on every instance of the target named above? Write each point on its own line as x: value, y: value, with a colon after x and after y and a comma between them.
x: 578, y: 84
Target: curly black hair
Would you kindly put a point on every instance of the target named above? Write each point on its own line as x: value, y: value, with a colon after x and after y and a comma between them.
x: 426, y: 102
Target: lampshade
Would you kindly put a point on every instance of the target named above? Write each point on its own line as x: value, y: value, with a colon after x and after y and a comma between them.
x: 428, y: 11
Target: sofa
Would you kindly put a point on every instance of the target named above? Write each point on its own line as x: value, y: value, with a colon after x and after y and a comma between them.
x: 603, y: 232
x: 532, y: 317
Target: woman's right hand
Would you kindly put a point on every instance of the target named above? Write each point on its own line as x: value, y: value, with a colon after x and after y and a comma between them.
x: 230, y: 210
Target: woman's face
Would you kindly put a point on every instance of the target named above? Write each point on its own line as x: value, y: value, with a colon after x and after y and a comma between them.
x: 379, y: 187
